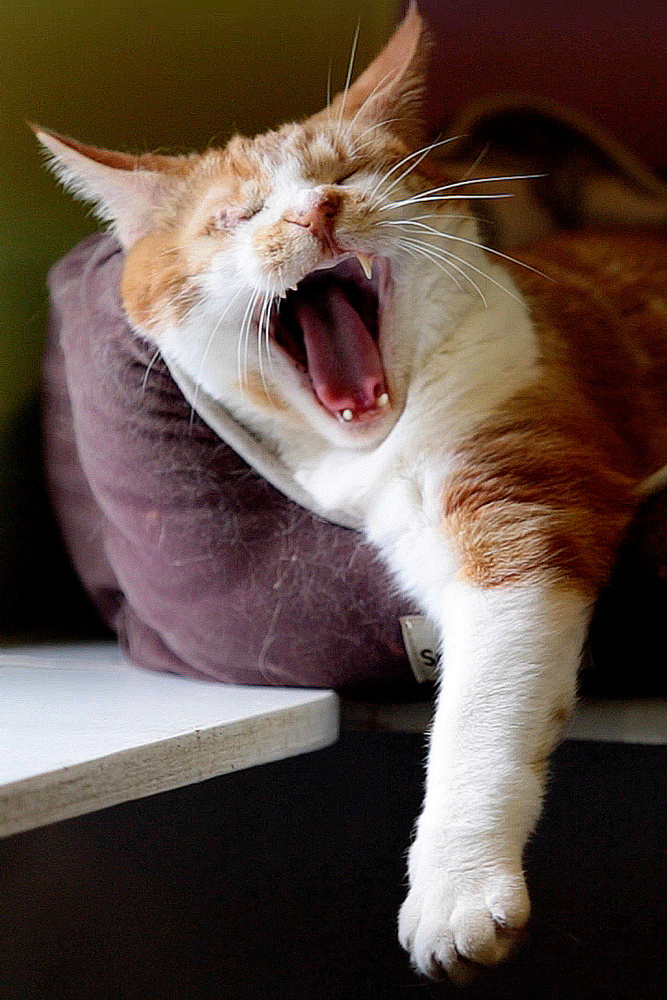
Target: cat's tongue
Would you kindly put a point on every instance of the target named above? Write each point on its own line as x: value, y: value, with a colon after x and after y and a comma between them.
x: 343, y: 360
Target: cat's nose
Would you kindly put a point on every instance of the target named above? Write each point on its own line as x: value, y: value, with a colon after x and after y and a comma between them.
x: 319, y: 218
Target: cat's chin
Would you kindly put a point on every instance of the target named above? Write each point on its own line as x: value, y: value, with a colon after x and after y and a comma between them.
x: 361, y: 434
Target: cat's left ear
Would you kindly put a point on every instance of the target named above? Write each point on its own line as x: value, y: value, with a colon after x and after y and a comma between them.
x: 393, y: 88
x: 127, y: 190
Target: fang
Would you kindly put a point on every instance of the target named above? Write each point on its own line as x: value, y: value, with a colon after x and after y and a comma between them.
x: 346, y: 415
x: 383, y: 399
x: 366, y: 264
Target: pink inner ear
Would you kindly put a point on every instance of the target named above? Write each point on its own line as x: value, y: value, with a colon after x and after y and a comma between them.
x: 393, y: 85
x: 109, y: 158
x: 389, y: 69
x: 116, y: 160
x: 127, y: 189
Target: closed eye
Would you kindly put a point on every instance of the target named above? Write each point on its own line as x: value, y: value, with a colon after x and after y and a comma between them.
x: 249, y: 213
x: 346, y: 177
x: 226, y: 219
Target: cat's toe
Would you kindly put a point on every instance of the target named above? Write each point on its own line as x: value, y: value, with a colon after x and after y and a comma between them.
x: 456, y: 931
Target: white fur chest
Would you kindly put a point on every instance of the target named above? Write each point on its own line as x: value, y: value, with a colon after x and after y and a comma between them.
x: 394, y: 492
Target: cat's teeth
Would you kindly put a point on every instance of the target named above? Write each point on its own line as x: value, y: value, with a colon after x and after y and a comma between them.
x: 366, y: 264
x: 383, y: 399
x: 346, y: 415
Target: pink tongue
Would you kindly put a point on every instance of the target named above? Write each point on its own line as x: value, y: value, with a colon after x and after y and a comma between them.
x: 343, y: 360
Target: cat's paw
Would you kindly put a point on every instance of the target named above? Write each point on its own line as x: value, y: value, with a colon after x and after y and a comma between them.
x: 453, y: 922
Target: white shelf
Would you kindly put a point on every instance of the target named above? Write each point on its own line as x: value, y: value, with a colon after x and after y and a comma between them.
x: 81, y: 729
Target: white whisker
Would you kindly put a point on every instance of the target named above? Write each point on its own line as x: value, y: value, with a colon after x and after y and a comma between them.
x: 148, y: 371
x: 487, y: 180
x: 430, y: 194
x: 431, y: 215
x: 420, y: 153
x: 242, y: 345
x: 377, y: 125
x: 473, y: 243
x: 476, y: 163
x: 444, y: 257
x: 466, y: 263
x: 205, y: 354
x: 414, y: 252
x: 348, y: 79
x: 368, y: 98
x: 263, y: 329
x: 422, y: 199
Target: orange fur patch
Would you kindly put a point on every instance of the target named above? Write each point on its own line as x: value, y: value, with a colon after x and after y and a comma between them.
x: 154, y: 283
x: 547, y: 485
x: 264, y: 396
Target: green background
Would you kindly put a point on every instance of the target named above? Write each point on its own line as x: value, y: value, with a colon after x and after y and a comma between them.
x: 171, y: 76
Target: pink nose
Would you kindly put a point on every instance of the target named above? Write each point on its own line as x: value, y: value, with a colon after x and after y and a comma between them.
x: 319, y: 219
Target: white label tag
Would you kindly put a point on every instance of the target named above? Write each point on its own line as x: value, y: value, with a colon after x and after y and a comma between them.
x: 422, y: 644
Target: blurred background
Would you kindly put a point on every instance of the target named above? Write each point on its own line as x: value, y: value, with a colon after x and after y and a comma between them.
x: 176, y: 75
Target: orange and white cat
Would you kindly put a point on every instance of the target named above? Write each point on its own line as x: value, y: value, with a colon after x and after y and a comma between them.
x: 490, y: 426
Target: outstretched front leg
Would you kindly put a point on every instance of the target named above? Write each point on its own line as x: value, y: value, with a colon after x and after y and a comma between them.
x: 511, y: 654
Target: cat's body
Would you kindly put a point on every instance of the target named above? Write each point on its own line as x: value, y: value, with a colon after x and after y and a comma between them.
x: 488, y: 425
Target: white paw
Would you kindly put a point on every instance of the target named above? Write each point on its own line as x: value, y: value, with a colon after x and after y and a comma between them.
x: 453, y: 921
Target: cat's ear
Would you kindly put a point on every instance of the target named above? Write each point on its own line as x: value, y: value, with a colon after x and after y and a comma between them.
x: 127, y: 190
x: 392, y: 89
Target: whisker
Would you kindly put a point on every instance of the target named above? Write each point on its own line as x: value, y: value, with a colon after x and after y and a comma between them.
x: 263, y: 338
x: 466, y: 263
x: 421, y: 154
x: 242, y: 346
x: 419, y: 199
x: 477, y: 161
x: 348, y: 79
x: 274, y: 305
x: 205, y: 354
x: 472, y: 243
x: 413, y: 252
x: 486, y: 180
x: 377, y: 125
x: 148, y: 371
x: 428, y: 195
x: 432, y: 254
x: 368, y: 98
x: 431, y: 215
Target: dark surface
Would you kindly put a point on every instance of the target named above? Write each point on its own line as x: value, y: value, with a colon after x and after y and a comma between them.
x: 285, y: 881
x: 41, y: 598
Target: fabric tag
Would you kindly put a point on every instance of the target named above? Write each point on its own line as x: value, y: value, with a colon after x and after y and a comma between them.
x: 422, y: 644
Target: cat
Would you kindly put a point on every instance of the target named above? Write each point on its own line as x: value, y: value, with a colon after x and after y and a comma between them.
x: 491, y: 423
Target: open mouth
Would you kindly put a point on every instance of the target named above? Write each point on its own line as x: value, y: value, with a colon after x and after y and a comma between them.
x: 329, y: 325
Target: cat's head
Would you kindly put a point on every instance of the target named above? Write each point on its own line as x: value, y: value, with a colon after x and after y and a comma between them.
x: 279, y: 272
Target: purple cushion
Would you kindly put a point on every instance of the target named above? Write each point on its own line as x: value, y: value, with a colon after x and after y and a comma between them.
x: 201, y: 566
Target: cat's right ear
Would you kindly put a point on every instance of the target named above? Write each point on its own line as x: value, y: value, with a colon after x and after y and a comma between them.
x: 126, y: 190
x: 392, y: 89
